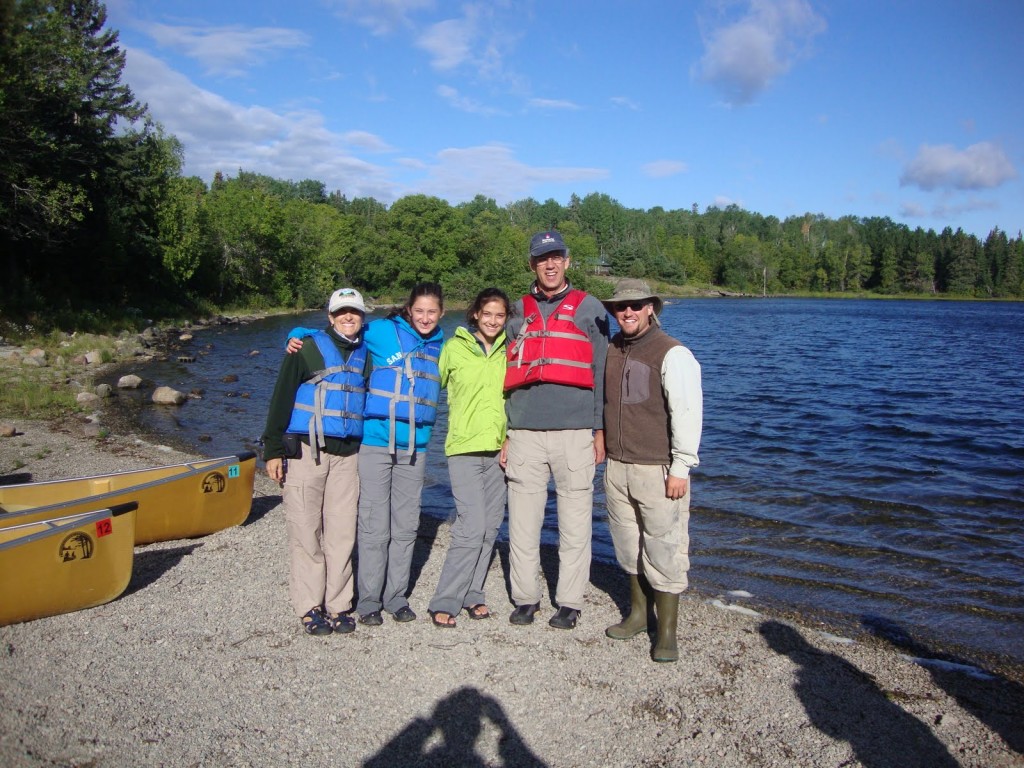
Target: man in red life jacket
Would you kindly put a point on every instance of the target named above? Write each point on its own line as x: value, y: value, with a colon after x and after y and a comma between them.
x: 558, y: 338
x: 653, y: 417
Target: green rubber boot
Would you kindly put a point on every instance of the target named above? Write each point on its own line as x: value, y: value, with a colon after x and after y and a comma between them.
x: 666, y: 606
x: 636, y: 622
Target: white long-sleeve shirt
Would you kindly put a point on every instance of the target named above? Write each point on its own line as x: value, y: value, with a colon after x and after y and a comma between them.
x: 680, y: 380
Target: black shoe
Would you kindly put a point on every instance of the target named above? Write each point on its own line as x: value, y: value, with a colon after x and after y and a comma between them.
x: 565, y: 618
x: 523, y: 614
x: 372, y: 619
x: 342, y: 623
x: 403, y: 614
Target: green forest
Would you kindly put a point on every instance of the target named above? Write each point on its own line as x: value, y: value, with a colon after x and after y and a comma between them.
x: 97, y: 220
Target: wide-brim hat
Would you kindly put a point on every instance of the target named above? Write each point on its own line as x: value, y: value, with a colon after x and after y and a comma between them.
x: 633, y: 290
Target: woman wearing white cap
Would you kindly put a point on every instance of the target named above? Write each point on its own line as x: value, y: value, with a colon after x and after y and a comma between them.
x: 311, y: 442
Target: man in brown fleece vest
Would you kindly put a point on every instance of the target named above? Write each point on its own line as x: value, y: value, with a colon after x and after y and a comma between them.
x: 652, y: 418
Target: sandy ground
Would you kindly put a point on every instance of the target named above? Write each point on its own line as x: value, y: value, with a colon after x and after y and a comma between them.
x: 201, y: 663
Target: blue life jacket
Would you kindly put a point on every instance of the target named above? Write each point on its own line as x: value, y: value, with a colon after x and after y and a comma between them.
x: 331, y: 402
x: 404, y: 373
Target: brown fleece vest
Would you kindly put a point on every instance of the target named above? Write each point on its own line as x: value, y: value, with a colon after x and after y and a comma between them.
x: 636, y: 418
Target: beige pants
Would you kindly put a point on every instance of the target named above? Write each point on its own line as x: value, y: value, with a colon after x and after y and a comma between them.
x: 650, y: 532
x: 533, y: 458
x: 320, y: 504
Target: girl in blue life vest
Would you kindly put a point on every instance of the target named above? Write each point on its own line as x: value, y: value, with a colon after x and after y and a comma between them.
x: 401, y: 407
x: 473, y: 371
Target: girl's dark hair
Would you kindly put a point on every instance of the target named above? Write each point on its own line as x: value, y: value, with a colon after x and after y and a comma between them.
x: 486, y: 295
x: 418, y: 290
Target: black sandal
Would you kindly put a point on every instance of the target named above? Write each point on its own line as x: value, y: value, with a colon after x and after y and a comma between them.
x: 449, y: 624
x: 315, y: 623
x: 474, y: 612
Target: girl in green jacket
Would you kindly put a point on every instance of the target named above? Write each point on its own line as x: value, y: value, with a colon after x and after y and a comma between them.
x: 473, y: 370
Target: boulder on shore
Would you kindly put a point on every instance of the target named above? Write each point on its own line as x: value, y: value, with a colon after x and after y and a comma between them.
x: 131, y: 381
x: 168, y: 396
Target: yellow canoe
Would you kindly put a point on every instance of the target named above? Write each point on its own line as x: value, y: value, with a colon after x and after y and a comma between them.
x: 180, y: 501
x: 64, y: 564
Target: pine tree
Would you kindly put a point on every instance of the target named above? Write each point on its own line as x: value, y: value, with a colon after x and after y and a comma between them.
x: 62, y: 103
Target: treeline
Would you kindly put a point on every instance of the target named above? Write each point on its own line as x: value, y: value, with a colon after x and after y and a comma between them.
x: 96, y: 217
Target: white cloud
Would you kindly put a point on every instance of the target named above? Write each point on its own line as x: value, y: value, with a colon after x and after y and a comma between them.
x: 478, y: 41
x: 661, y: 169
x: 493, y: 171
x: 368, y: 141
x: 955, y: 211
x: 980, y: 166
x: 947, y: 211
x: 221, y: 135
x: 381, y: 17
x: 744, y: 56
x: 448, y: 42
x: 910, y: 210
x: 463, y: 103
x: 554, y: 104
x: 623, y: 101
x: 229, y: 51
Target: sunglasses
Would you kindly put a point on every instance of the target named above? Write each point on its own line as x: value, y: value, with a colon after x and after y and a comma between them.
x: 636, y: 306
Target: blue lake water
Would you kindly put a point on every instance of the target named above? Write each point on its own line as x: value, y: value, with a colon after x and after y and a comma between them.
x: 859, y: 458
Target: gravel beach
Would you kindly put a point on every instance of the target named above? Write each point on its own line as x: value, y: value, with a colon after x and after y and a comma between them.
x: 201, y: 663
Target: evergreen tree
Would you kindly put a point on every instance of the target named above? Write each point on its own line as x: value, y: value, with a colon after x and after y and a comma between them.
x: 62, y: 100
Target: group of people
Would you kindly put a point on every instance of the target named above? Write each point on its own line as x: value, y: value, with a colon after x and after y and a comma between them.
x: 536, y: 390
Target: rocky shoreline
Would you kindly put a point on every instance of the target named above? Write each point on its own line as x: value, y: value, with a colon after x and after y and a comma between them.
x: 201, y: 662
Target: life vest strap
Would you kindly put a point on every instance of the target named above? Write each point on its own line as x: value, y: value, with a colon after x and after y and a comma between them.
x: 404, y: 398
x: 320, y: 375
x: 331, y: 412
x: 342, y: 387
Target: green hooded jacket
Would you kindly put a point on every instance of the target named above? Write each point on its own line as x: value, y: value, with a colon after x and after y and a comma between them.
x: 476, y: 400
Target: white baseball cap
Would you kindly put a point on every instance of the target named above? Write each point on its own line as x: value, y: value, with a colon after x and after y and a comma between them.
x: 346, y: 297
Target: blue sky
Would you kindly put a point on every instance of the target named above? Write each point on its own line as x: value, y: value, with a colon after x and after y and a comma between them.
x: 911, y: 109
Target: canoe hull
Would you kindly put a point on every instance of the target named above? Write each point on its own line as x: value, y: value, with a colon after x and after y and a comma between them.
x: 57, y: 566
x: 180, y: 501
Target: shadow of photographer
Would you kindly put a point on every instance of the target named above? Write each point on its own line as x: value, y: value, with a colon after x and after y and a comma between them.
x: 992, y: 699
x: 450, y: 735
x: 845, y: 703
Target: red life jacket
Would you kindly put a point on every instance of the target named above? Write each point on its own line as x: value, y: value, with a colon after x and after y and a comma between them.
x: 557, y: 351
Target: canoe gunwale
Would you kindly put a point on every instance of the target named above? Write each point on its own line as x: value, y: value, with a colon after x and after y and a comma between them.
x: 193, y: 468
x: 52, y: 527
x: 212, y: 463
